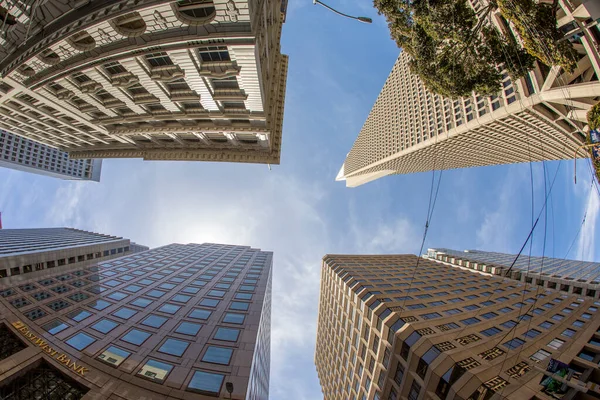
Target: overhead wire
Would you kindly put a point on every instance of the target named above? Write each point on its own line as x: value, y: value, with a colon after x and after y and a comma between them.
x: 541, y: 269
x: 430, y: 207
x: 534, y: 225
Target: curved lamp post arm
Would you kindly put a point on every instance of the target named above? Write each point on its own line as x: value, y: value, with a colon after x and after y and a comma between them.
x: 361, y: 19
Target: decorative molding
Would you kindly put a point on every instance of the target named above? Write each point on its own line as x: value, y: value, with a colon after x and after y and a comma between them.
x: 232, y: 11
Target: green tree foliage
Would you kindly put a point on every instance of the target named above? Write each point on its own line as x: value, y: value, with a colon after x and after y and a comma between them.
x: 454, y: 52
x: 593, y: 117
x: 536, y: 24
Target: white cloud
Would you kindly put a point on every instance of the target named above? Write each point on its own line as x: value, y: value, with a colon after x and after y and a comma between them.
x: 262, y: 209
x: 238, y: 205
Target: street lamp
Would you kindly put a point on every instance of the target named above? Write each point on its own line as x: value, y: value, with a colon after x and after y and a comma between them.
x: 229, y: 388
x: 361, y: 19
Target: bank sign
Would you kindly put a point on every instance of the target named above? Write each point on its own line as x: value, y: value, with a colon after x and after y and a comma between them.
x: 42, y: 344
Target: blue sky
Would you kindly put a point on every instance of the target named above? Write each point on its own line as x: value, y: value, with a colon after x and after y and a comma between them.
x: 337, y: 68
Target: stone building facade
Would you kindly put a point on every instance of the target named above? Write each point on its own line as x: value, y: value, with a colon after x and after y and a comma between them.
x: 402, y: 327
x: 570, y: 276
x: 161, y: 80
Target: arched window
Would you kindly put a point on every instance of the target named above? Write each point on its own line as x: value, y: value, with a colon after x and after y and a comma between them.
x: 49, y: 57
x: 131, y: 24
x: 82, y: 41
x: 195, y: 12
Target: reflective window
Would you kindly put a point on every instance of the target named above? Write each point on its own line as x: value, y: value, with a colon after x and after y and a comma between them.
x: 117, y: 296
x: 80, y: 341
x: 243, y: 296
x: 216, y: 293
x: 491, y: 331
x: 509, y: 324
x: 556, y: 343
x: 236, y: 305
x: 531, y: 333
x: 217, y: 355
x: 227, y: 334
x: 514, y: 343
x: 141, y: 302
x: 55, y: 326
x: 206, y: 382
x: 188, y: 328
x: 133, y: 288
x: 191, y: 290
x: 568, y: 332
x: 174, y: 347
x: 125, y: 313
x: 154, y: 321
x: 222, y: 286
x: 146, y: 282
x: 169, y: 308
x: 247, y: 288
x: 155, y: 293
x: 200, y: 314
x: 155, y: 370
x: 135, y: 336
x: 112, y: 283
x: 167, y: 286
x: 181, y: 298
x: 489, y: 315
x: 546, y: 324
x: 113, y: 355
x: 99, y: 304
x: 105, y: 325
x: 209, y: 302
x: 233, y: 318
x: 469, y: 321
x: 79, y: 315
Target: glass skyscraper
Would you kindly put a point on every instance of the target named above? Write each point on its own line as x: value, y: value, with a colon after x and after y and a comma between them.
x: 175, y: 322
x: 26, y: 155
x: 23, y: 251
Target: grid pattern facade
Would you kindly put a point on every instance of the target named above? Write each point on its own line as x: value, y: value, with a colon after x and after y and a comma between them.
x: 411, y: 129
x: 24, y: 251
x: 578, y: 277
x: 390, y: 330
x: 177, y: 321
x: 14, y: 241
x: 162, y: 80
x: 136, y: 248
x: 29, y: 156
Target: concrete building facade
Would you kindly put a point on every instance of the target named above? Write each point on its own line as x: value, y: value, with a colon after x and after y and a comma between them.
x: 137, y: 248
x: 539, y: 117
x: 26, y: 251
x: 402, y: 327
x: 161, y: 80
x: 176, y: 322
x: 28, y: 156
x: 570, y: 276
